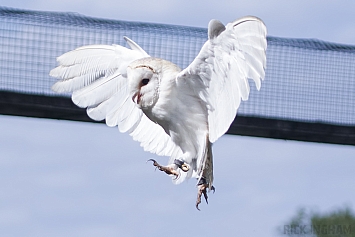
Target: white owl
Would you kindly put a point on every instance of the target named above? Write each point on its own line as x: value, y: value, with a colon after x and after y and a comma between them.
x: 171, y: 112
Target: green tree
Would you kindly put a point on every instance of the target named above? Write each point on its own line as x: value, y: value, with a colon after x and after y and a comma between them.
x: 337, y: 223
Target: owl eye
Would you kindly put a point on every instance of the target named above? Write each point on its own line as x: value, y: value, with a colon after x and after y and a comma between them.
x: 145, y: 81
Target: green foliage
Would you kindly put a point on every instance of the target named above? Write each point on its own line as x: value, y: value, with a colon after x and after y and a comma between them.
x: 337, y: 223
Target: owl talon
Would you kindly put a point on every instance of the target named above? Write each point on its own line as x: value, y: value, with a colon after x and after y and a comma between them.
x: 202, y: 187
x: 168, y: 170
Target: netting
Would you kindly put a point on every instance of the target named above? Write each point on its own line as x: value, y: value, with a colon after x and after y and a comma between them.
x: 306, y: 80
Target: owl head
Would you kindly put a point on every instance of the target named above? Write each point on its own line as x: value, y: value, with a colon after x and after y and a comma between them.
x: 145, y: 77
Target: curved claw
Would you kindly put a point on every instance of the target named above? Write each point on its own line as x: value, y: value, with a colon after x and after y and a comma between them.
x: 202, y: 189
x: 176, y: 176
x: 154, y: 161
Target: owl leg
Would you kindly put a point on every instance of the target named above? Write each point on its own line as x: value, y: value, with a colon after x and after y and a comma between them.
x: 182, y: 165
x: 202, y: 187
x: 167, y: 169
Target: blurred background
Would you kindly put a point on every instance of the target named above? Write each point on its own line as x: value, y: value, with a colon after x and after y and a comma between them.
x: 67, y: 178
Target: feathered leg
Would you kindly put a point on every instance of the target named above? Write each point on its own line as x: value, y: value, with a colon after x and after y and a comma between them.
x: 206, y: 179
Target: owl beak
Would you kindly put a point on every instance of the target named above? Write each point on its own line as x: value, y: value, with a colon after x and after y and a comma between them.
x: 136, y: 98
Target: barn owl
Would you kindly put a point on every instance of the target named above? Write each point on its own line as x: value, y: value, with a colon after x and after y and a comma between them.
x: 171, y: 112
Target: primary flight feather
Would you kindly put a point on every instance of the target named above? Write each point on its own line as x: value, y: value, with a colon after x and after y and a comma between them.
x: 171, y: 112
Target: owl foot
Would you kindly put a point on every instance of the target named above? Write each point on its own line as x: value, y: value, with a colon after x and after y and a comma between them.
x: 168, y: 170
x: 202, y: 187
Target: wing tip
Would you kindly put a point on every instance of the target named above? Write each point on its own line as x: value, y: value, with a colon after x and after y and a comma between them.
x: 215, y: 28
x: 251, y: 18
x: 248, y: 18
x: 135, y: 46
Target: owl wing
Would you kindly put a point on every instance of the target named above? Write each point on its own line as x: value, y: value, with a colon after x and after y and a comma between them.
x: 219, y: 74
x: 97, y: 77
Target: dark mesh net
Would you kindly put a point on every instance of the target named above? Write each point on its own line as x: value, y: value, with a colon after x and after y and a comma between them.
x: 306, y: 80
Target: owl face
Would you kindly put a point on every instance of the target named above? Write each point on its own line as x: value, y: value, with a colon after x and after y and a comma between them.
x: 144, y: 85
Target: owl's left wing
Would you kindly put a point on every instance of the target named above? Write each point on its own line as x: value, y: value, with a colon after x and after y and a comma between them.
x: 97, y: 77
x: 219, y: 74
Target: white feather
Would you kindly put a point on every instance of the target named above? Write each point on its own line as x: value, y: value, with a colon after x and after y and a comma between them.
x: 236, y: 54
x: 96, y: 74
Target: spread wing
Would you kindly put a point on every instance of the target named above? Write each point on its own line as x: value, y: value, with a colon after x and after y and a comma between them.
x: 97, y: 77
x: 220, y: 72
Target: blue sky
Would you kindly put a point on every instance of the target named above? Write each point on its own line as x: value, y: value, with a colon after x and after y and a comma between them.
x: 61, y: 178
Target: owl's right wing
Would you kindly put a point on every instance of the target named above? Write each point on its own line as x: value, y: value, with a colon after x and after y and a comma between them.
x: 219, y: 74
x: 96, y: 75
